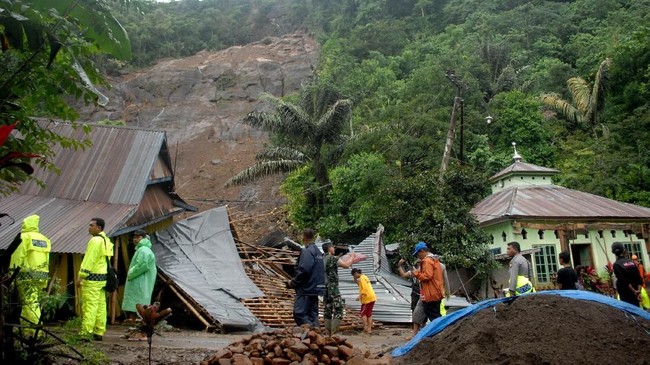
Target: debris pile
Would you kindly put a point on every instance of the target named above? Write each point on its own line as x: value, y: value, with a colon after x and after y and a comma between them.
x: 264, y: 266
x: 538, y: 329
x: 299, y: 345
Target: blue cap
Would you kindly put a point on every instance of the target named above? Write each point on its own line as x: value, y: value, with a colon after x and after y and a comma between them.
x: 420, y: 245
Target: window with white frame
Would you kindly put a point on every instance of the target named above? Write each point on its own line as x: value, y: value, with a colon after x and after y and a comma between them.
x: 634, y: 248
x: 545, y: 263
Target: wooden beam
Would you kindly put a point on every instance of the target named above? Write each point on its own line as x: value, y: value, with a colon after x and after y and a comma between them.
x: 564, y: 240
x: 581, y: 227
x: 170, y: 285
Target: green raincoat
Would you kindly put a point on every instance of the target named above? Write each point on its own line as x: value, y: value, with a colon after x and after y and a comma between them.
x: 141, y: 276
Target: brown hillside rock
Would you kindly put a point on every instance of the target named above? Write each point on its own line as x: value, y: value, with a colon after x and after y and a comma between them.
x: 200, y: 101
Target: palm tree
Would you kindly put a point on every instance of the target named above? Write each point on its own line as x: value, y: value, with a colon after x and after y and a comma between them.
x: 304, y: 132
x: 589, y: 101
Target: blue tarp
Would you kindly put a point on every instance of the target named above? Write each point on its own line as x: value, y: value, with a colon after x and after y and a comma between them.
x: 441, y: 323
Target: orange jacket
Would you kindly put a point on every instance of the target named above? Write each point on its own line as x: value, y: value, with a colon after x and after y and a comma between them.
x: 642, y: 273
x: 431, y: 280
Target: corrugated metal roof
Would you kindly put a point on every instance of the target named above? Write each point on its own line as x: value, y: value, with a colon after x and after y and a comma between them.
x: 115, y: 169
x: 524, y: 168
x: 63, y: 221
x: 393, y: 293
x: 155, y: 203
x: 554, y: 202
x: 107, y: 180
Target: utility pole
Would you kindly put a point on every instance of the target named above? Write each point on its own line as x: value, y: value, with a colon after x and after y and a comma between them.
x: 458, y: 102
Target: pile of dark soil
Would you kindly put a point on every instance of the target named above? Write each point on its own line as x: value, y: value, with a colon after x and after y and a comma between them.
x: 539, y: 329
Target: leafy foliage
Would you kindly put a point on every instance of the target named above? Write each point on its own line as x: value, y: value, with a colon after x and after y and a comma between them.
x: 389, y: 59
x: 308, y: 132
x: 589, y: 100
x: 46, y: 57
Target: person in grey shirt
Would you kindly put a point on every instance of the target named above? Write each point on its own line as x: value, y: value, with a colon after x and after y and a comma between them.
x: 520, y: 271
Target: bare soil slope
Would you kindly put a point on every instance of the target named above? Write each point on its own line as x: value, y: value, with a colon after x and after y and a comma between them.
x: 200, y: 101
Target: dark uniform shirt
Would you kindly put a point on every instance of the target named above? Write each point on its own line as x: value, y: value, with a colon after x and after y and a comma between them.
x: 568, y: 278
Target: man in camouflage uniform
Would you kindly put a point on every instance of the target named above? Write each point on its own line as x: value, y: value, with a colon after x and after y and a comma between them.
x: 333, y: 301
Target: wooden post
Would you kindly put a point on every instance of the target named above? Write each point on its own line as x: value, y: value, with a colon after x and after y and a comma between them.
x: 564, y: 241
x: 451, y: 132
x: 187, y: 304
x: 113, y: 295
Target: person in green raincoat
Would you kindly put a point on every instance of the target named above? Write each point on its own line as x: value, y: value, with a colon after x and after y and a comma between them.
x: 33, y: 259
x: 141, y: 276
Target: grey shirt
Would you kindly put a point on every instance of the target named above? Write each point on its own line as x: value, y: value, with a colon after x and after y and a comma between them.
x: 518, y: 266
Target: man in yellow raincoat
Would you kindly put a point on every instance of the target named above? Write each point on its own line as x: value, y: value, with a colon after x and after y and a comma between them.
x: 33, y: 259
x: 92, y: 279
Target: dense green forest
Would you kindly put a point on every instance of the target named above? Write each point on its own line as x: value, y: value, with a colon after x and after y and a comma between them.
x: 590, y: 59
x: 568, y: 81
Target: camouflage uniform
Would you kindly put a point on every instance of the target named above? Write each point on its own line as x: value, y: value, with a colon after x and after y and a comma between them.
x: 333, y: 301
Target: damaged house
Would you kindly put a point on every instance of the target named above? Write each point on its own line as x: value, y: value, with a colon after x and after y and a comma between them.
x: 126, y: 177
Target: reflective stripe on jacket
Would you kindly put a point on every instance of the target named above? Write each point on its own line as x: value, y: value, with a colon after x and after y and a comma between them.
x: 94, y: 262
x: 33, y: 253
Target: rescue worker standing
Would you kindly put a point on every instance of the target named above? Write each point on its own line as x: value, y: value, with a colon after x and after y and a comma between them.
x: 628, y: 279
x: 92, y: 279
x: 520, y: 272
x: 308, y: 281
x: 33, y: 258
x: 432, y: 286
x: 333, y: 303
x: 141, y: 276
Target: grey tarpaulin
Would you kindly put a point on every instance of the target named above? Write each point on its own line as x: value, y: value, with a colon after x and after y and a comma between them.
x: 200, y: 256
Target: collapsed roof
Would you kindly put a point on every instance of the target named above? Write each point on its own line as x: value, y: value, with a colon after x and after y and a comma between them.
x: 393, y: 293
x: 199, y: 255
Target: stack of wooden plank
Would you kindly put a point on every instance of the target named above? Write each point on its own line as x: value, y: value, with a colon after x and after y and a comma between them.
x: 264, y: 266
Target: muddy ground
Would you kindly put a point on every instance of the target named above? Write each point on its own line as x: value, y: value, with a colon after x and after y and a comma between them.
x: 190, y: 347
x: 540, y: 329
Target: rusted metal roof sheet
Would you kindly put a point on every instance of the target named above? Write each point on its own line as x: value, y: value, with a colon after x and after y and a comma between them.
x: 554, y: 202
x: 107, y: 180
x: 63, y: 221
x: 524, y: 169
x: 115, y: 169
x: 393, y: 293
x: 156, y: 203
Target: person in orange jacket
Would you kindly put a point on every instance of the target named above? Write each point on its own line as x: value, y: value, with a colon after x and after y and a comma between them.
x: 639, y: 265
x: 432, y: 286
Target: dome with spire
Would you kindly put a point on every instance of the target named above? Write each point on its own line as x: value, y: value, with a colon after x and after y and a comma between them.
x: 521, y: 173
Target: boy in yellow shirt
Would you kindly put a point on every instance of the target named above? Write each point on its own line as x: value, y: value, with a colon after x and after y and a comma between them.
x: 367, y: 297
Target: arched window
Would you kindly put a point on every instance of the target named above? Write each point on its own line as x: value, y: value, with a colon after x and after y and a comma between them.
x: 600, y: 234
x: 504, y: 236
x: 613, y: 232
x: 557, y: 236
x: 540, y: 233
x: 524, y: 234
